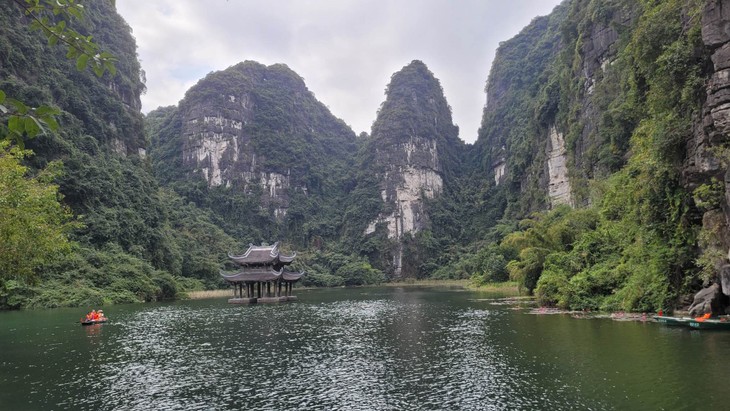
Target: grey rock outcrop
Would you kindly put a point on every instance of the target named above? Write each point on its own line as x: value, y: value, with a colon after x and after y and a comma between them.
x: 724, y: 278
x: 701, y: 165
x: 713, y: 130
x: 598, y: 51
x: 559, y: 186
x: 708, y: 300
x: 220, y: 149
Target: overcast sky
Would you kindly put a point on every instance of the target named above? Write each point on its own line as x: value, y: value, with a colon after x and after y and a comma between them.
x: 346, y: 50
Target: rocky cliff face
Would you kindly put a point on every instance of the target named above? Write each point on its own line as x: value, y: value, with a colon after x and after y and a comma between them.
x: 412, y: 174
x: 547, y: 127
x: 596, y: 52
x: 413, y: 139
x: 559, y: 183
x: 596, y: 41
x: 525, y: 155
x: 706, y: 161
x: 217, y: 148
x: 702, y: 163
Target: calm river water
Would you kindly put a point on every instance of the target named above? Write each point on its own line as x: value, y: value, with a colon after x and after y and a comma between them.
x: 355, y: 349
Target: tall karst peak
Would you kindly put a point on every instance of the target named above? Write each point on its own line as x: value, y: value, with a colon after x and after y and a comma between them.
x: 416, y: 147
x: 414, y: 96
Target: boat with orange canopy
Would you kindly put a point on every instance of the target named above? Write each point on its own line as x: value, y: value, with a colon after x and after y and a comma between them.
x: 94, y: 317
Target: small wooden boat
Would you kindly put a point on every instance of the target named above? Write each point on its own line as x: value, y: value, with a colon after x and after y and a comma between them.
x: 92, y: 322
x: 710, y: 324
x: 672, y: 321
x: 698, y: 323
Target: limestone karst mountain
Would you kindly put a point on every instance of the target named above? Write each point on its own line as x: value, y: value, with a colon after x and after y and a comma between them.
x: 257, y: 131
x: 416, y: 149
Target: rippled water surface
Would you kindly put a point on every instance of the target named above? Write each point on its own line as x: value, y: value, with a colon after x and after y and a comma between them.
x: 355, y: 349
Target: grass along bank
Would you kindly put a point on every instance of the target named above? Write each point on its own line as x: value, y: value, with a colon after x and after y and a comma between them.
x: 508, y: 288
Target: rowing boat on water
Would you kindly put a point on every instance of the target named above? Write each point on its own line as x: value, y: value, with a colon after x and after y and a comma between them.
x: 710, y: 324
x: 92, y: 322
x: 699, y: 323
x: 666, y: 320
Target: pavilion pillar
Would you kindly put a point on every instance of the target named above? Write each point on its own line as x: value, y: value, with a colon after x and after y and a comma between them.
x: 258, y: 286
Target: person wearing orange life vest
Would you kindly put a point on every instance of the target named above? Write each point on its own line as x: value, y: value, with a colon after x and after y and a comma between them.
x: 704, y: 317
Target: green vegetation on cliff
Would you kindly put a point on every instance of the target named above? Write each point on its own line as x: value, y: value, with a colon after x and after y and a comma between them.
x: 413, y: 136
x: 127, y: 240
x: 632, y: 246
x: 284, y: 131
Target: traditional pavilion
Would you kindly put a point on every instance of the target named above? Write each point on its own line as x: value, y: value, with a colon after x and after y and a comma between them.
x: 262, y: 278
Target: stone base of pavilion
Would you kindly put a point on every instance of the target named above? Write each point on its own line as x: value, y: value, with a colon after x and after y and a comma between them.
x: 262, y: 300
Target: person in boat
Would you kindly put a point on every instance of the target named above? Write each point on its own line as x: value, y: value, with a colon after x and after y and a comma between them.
x: 704, y: 317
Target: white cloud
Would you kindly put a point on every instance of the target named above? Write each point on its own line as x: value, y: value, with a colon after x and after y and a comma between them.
x: 345, y: 50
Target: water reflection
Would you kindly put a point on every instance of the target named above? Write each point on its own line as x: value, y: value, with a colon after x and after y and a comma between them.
x: 93, y: 330
x: 390, y: 349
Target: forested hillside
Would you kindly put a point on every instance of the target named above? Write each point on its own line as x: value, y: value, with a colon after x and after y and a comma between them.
x: 616, y: 124
x: 130, y: 240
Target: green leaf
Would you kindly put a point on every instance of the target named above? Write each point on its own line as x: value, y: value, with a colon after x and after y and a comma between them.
x: 81, y: 62
x: 20, y: 107
x: 76, y: 12
x: 32, y: 126
x: 43, y: 111
x: 2, y: 96
x: 15, y: 125
x: 51, y: 123
x: 111, y: 68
